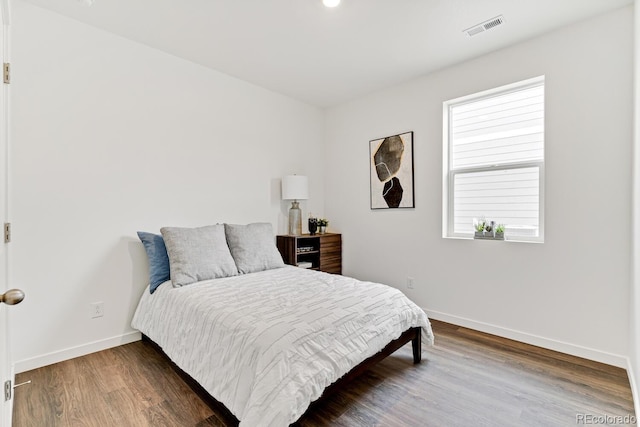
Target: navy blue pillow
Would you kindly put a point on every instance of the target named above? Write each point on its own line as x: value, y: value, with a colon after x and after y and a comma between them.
x: 158, y: 258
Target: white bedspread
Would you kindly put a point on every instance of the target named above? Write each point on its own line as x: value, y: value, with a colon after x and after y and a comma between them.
x: 267, y: 344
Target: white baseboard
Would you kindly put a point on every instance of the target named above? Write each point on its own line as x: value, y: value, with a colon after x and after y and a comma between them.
x: 634, y: 386
x: 551, y: 344
x: 73, y: 352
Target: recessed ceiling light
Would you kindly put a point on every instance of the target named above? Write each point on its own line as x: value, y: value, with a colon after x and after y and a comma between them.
x: 331, y: 3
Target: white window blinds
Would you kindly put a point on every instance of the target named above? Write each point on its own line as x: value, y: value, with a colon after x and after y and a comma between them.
x: 496, y: 160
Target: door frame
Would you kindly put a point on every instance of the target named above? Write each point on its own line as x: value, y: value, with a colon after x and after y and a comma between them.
x: 6, y: 364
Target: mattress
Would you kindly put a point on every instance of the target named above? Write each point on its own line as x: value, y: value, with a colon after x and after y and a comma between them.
x: 267, y: 344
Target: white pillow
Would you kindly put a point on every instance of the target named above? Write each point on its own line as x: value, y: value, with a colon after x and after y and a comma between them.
x: 253, y: 247
x: 197, y: 254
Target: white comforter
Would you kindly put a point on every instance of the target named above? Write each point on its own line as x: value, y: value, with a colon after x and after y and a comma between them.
x: 267, y: 344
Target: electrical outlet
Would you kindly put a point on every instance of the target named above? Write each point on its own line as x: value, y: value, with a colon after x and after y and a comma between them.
x: 97, y: 309
x: 410, y: 282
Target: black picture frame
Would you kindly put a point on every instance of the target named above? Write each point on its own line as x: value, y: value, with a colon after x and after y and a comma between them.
x: 391, y: 172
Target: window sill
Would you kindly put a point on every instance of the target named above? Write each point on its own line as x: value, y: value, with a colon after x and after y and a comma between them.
x: 506, y: 239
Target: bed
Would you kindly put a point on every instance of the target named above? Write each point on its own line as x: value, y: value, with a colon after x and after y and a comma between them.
x: 267, y: 343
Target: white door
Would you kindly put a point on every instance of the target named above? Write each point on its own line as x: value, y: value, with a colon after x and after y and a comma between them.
x: 6, y: 370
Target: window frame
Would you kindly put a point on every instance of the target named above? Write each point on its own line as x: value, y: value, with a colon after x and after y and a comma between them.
x: 449, y: 173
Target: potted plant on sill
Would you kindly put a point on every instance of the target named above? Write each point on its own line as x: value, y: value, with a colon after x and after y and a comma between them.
x: 479, y: 229
x: 488, y: 230
x: 322, y: 225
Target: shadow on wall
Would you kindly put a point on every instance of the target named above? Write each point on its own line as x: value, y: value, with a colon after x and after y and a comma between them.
x: 139, y: 271
x: 282, y: 226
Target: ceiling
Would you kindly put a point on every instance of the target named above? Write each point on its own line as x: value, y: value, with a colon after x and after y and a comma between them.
x: 323, y: 56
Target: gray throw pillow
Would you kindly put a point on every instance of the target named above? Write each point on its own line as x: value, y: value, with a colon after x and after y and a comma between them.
x: 253, y: 247
x: 197, y: 254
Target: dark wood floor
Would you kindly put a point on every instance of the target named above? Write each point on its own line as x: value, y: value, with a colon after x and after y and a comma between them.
x: 467, y: 379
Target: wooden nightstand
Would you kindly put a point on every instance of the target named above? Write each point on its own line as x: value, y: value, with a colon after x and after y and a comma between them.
x: 322, y: 251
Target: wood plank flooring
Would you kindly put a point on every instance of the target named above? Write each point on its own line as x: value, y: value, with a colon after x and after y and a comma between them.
x: 467, y: 379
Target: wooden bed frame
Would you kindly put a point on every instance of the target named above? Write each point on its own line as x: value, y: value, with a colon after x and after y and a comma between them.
x: 412, y: 334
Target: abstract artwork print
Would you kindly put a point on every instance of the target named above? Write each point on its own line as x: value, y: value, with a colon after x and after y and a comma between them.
x: 391, y: 164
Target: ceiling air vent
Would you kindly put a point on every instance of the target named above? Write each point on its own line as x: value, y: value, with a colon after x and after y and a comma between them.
x: 484, y: 26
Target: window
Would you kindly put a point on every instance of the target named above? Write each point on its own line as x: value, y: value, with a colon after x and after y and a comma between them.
x: 494, y: 161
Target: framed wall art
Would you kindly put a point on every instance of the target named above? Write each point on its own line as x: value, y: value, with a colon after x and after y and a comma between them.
x: 391, y: 166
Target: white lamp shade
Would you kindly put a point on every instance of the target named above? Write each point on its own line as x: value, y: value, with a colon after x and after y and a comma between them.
x: 295, y: 187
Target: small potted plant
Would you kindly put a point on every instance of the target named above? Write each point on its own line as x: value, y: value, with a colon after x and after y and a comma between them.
x: 322, y: 225
x: 490, y: 229
x: 479, y: 227
x: 499, y: 232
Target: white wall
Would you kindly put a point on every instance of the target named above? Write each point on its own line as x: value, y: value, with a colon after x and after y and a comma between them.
x: 634, y: 337
x: 111, y: 137
x: 570, y: 293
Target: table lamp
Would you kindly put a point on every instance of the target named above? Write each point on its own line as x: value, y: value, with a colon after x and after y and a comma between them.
x: 295, y: 187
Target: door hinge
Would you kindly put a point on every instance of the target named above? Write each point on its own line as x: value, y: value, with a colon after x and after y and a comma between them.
x: 7, y: 232
x: 7, y: 390
x: 6, y: 72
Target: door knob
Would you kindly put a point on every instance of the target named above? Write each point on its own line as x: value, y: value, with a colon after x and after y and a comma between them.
x: 12, y: 297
